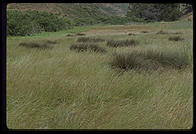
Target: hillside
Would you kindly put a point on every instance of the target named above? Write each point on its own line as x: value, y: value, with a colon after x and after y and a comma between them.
x: 74, y: 9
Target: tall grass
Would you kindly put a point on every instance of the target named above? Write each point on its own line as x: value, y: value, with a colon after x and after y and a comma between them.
x: 62, y: 89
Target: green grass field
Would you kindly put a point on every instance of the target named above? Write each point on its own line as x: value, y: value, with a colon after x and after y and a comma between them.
x: 63, y: 89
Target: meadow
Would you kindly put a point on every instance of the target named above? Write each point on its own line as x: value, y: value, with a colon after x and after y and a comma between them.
x: 136, y: 76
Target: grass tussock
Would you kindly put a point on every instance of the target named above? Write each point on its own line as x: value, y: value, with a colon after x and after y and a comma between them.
x: 69, y: 35
x: 175, y: 38
x: 80, y: 34
x: 131, y: 34
x: 36, y: 45
x: 162, y: 32
x: 121, y: 43
x: 80, y: 47
x: 149, y: 60
x: 51, y: 42
x: 89, y: 39
x: 144, y: 31
x: 177, y: 33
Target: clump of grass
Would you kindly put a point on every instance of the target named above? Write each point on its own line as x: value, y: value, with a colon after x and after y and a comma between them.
x: 69, y: 35
x: 80, y: 34
x: 162, y: 32
x: 131, y: 34
x: 36, y: 45
x: 89, y: 39
x: 175, y: 38
x: 149, y: 60
x: 121, y: 43
x: 84, y: 47
x: 177, y: 33
x: 51, y: 42
x: 144, y: 31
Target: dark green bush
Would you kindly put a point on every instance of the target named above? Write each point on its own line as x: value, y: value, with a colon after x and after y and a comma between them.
x: 30, y: 22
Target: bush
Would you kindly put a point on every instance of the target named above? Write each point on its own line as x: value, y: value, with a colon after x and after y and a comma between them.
x: 175, y: 38
x: 85, y: 47
x: 36, y: 45
x: 89, y: 39
x: 30, y: 22
x: 121, y: 43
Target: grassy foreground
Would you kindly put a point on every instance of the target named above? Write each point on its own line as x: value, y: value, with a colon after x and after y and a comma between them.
x: 63, y: 89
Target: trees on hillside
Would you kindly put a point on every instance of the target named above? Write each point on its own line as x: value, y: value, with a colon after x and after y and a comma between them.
x: 157, y: 12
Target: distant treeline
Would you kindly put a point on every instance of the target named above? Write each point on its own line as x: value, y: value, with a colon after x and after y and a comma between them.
x: 158, y: 12
x: 30, y: 22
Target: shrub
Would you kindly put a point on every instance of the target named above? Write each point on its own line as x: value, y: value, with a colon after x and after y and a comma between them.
x: 121, y: 43
x: 30, y: 22
x: 149, y: 60
x: 89, y: 39
x: 175, y: 38
x: 85, y: 47
x: 35, y: 45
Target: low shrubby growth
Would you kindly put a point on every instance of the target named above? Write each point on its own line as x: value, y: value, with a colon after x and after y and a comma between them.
x: 31, y: 22
x: 121, y: 43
